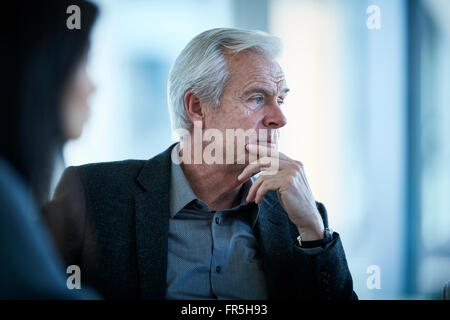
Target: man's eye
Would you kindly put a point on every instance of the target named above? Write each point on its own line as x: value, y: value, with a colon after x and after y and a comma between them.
x: 258, y: 100
x: 280, y: 102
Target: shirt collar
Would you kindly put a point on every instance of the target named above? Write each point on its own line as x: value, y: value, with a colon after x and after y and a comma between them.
x: 181, y: 193
x: 180, y: 190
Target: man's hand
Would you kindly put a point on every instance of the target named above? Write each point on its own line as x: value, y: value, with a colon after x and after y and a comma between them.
x: 292, y: 188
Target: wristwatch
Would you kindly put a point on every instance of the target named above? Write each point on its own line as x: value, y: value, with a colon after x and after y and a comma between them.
x: 327, y: 232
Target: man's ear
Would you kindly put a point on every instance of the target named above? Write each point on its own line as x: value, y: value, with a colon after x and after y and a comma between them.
x: 193, y: 107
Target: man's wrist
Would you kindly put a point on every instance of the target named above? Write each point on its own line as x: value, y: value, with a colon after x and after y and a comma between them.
x: 312, y: 230
x: 312, y: 234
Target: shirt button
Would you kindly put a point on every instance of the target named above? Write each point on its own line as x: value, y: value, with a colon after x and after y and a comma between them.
x: 218, y: 269
x: 217, y: 220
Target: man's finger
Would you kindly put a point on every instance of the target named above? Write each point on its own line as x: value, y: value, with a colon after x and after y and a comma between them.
x: 252, y: 192
x: 254, y: 167
x: 266, y: 186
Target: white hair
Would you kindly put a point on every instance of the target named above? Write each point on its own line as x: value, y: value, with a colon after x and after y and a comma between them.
x: 202, y: 68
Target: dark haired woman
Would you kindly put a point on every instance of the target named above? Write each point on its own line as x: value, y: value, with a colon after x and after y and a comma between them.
x: 44, y: 94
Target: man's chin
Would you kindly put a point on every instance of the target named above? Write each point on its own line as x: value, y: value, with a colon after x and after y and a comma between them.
x: 235, y: 168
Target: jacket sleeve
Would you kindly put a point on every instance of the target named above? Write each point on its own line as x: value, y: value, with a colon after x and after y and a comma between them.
x: 322, y: 273
x: 66, y: 217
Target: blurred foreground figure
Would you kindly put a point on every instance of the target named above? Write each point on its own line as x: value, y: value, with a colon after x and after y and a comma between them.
x: 44, y: 94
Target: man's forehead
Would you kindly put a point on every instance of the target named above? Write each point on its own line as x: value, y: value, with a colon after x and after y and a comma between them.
x: 253, y: 69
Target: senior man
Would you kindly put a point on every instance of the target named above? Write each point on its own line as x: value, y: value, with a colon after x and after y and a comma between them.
x: 180, y: 226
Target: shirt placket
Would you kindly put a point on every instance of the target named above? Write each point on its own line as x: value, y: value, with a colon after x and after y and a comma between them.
x: 219, y: 252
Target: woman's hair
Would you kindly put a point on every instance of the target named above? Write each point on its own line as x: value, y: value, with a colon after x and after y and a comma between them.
x: 39, y: 55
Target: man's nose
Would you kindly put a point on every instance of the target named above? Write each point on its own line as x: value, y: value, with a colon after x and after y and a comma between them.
x: 274, y: 117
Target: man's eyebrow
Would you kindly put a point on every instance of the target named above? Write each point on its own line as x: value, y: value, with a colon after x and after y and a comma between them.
x: 263, y: 91
x: 257, y: 90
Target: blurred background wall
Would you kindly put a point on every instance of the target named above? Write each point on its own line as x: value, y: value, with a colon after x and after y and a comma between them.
x: 368, y: 115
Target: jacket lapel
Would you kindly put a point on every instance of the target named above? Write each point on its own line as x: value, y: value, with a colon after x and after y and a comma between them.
x: 152, y: 225
x: 275, y: 245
